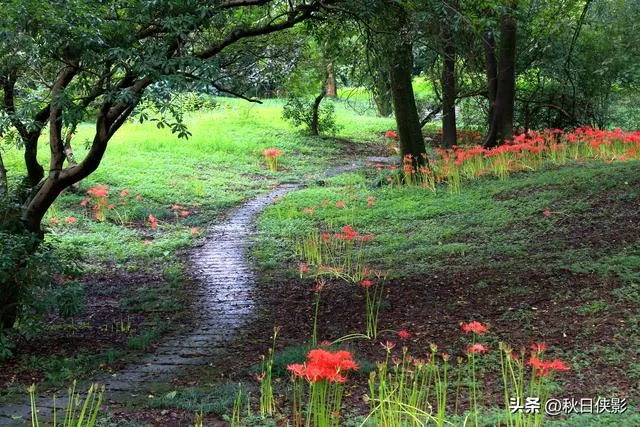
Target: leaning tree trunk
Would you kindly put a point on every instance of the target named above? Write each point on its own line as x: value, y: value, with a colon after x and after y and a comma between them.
x: 332, y: 91
x: 449, y: 136
x: 501, y: 128
x: 35, y: 171
x: 4, y: 185
x: 315, y: 119
x: 404, y: 102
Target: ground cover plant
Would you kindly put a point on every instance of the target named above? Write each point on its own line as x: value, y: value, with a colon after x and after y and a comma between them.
x: 127, y: 231
x: 319, y: 213
x: 343, y: 248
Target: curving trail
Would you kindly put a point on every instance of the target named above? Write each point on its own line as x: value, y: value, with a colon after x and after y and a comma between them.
x: 223, y: 305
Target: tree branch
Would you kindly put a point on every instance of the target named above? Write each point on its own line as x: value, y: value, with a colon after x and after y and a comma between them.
x: 55, y: 119
x: 237, y: 3
x: 432, y: 114
x: 295, y: 16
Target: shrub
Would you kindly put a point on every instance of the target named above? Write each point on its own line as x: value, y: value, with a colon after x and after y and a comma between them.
x: 300, y: 113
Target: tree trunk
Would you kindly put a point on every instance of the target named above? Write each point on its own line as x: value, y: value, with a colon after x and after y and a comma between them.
x: 404, y: 102
x: 332, y: 91
x: 8, y: 306
x: 4, y: 185
x: 35, y: 171
x: 68, y: 149
x: 449, y: 136
x: 315, y: 119
x: 382, y: 94
x: 489, y: 44
x: 501, y: 128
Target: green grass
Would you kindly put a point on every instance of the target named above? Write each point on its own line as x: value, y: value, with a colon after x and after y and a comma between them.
x: 491, y: 222
x: 220, y: 165
x: 215, y: 399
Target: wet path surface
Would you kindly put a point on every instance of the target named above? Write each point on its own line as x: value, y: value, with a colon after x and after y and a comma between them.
x: 223, y: 304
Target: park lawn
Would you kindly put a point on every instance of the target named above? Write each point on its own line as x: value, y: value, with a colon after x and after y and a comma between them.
x: 135, y: 276
x: 551, y: 256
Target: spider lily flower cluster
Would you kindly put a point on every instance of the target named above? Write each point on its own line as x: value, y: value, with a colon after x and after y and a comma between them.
x: 527, y: 151
x: 271, y: 157
x: 338, y: 255
x: 413, y: 391
x: 104, y: 208
x: 324, y: 374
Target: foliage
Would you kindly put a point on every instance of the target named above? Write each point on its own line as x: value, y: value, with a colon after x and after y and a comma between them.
x: 299, y: 112
x: 6, y: 346
x: 69, y: 299
x: 80, y: 411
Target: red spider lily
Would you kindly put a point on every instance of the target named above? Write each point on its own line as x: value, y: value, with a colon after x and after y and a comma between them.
x: 176, y: 207
x: 310, y: 211
x: 390, y: 134
x: 371, y: 203
x: 366, y: 237
x: 543, y: 368
x: 124, y: 193
x: 297, y: 369
x: 184, y: 214
x: 403, y: 334
x: 71, y: 220
x: 418, y: 362
x: 84, y: 202
x: 388, y: 346
x: 303, y: 268
x: 111, y: 206
x: 260, y: 377
x: 477, y: 348
x: 445, y: 357
x: 340, y: 205
x: 539, y: 347
x: 348, y: 233
x: 324, y: 365
x: 272, y: 153
x: 153, y: 222
x: 546, y: 212
x: 194, y: 230
x: 475, y: 327
x: 99, y: 191
x: 138, y: 198
x: 326, y: 237
x: 366, y: 283
x: 54, y: 221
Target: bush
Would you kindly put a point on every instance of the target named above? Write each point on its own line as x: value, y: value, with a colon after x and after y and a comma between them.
x: 69, y: 300
x: 300, y: 113
x: 27, y: 266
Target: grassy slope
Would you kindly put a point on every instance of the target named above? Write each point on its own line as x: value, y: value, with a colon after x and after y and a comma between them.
x: 491, y: 222
x: 217, y: 167
x: 491, y: 254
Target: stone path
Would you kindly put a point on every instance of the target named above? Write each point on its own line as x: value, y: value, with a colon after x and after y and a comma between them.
x: 223, y: 305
